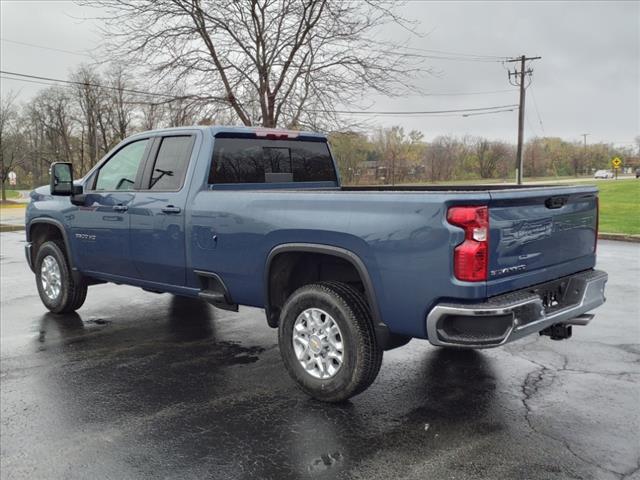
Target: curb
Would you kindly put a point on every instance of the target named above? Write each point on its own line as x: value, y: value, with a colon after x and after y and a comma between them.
x: 620, y: 237
x: 4, y: 227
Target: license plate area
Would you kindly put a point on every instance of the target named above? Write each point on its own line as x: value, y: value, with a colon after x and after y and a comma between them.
x: 555, y: 295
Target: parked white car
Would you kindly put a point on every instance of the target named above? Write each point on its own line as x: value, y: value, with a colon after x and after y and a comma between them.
x: 603, y: 174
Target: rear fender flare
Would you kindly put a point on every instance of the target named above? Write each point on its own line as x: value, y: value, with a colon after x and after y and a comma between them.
x: 385, y: 338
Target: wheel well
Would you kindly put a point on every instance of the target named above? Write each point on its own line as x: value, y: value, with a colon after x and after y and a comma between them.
x: 44, y: 232
x: 291, y: 270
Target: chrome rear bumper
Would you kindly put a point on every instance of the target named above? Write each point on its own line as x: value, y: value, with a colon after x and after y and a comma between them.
x: 511, y: 316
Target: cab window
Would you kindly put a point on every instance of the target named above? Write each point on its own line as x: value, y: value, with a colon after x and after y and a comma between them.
x: 119, y: 173
x: 171, y: 163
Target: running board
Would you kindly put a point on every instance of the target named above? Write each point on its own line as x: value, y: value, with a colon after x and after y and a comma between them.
x: 215, y: 292
x: 217, y: 300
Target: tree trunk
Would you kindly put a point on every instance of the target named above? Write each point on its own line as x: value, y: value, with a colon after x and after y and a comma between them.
x: 2, y: 177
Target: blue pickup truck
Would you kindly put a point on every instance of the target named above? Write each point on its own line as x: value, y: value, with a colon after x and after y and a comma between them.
x: 241, y: 216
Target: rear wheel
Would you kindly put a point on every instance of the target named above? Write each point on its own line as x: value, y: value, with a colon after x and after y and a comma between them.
x: 57, y: 288
x: 327, y: 341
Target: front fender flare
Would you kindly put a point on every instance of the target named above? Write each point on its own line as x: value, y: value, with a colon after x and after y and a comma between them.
x: 65, y: 238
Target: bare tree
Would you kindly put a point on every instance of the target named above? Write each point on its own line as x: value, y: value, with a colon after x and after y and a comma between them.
x: 52, y: 134
x: 272, y: 62
x: 89, y: 100
x: 485, y: 169
x: 503, y: 155
x: 489, y: 154
x: 106, y: 109
x: 152, y: 114
x: 350, y: 149
x: 119, y: 104
x: 441, y: 157
x: 8, y: 160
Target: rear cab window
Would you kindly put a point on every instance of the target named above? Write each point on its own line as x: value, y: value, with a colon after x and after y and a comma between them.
x: 170, y: 163
x: 260, y: 161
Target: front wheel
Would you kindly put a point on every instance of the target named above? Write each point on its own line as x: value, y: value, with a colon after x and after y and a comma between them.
x: 327, y: 341
x: 57, y: 288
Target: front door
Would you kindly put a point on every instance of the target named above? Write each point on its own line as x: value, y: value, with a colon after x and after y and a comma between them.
x: 157, y: 213
x: 100, y: 227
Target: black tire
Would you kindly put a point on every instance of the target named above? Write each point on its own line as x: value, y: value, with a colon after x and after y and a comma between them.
x: 71, y: 294
x: 362, y: 356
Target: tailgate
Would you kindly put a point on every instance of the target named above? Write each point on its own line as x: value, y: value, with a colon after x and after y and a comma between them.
x: 539, y: 234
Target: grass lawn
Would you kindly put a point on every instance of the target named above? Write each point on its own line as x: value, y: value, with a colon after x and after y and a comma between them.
x: 11, y: 194
x: 619, y: 206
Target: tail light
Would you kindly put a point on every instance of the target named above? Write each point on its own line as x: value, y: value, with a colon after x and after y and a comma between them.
x: 471, y: 257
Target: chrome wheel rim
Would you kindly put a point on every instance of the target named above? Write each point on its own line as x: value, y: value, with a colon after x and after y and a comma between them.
x: 317, y: 343
x: 50, y: 277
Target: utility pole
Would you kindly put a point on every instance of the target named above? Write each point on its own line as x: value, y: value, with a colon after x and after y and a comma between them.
x: 520, y: 82
x: 585, y: 135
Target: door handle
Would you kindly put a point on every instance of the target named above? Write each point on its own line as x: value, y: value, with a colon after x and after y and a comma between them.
x: 120, y: 208
x: 171, y: 209
x: 556, y: 202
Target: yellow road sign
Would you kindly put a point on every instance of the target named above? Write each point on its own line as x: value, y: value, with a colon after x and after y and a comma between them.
x: 616, y: 162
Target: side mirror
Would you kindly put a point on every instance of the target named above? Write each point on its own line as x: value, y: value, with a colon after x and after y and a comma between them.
x: 61, y: 179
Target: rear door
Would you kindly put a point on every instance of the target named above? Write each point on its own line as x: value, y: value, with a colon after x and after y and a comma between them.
x: 158, y: 212
x: 539, y: 234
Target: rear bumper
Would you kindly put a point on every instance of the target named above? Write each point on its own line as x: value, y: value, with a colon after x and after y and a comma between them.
x: 511, y: 316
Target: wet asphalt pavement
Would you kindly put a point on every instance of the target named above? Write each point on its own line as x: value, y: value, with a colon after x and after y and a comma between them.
x: 139, y: 385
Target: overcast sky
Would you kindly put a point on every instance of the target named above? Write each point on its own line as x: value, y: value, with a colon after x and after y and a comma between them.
x: 588, y: 80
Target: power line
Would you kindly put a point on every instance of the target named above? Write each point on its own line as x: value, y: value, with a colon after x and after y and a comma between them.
x: 489, y: 113
x: 446, y: 115
x: 446, y: 53
x: 535, y: 104
x: 36, y: 82
x: 461, y: 94
x: 88, y: 84
x: 496, y: 57
x: 415, y: 112
x: 71, y: 52
x: 443, y: 57
x: 535, y: 132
